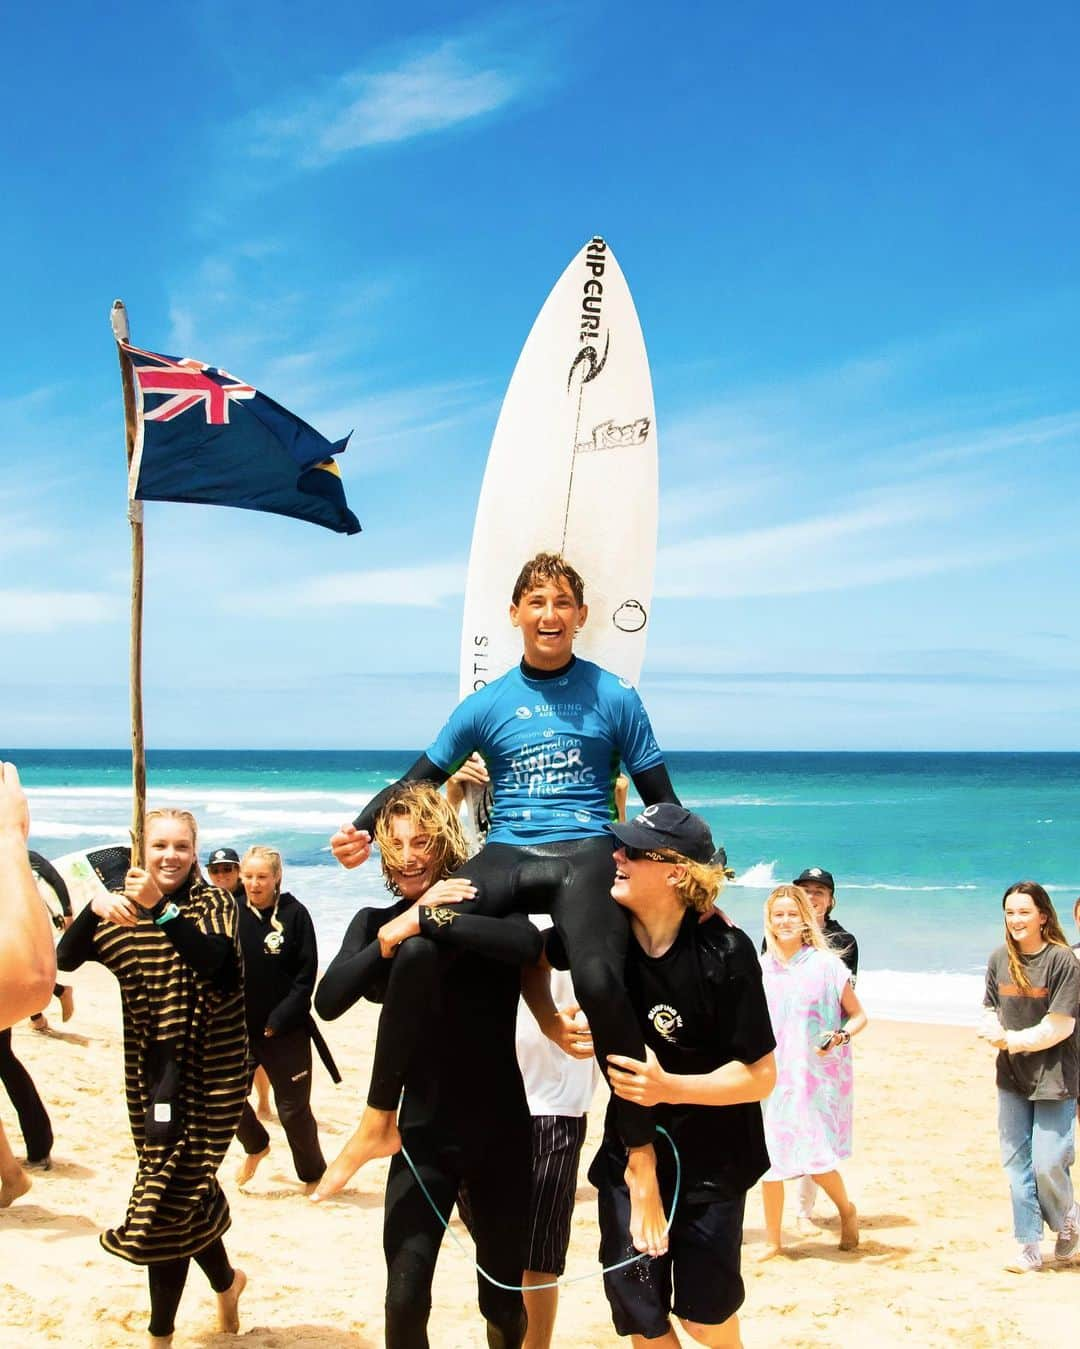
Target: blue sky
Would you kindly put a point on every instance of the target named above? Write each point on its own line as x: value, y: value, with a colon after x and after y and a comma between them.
x: 850, y: 232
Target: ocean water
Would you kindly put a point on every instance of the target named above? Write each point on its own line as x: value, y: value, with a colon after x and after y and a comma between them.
x: 922, y: 845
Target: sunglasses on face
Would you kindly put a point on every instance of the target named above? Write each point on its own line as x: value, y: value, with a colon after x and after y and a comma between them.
x: 648, y: 855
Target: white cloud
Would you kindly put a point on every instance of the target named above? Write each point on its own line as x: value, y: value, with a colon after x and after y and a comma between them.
x: 443, y: 84
x: 424, y: 586
x: 50, y: 610
x: 868, y: 542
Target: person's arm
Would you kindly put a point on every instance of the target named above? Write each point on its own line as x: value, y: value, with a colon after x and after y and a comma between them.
x: 654, y: 785
x: 474, y: 771
x: 855, y: 1019
x: 1060, y: 1019
x: 648, y: 1084
x: 49, y: 874
x: 292, y: 1011
x: 1050, y: 1031
x: 27, y: 954
x: 513, y: 940
x: 560, y: 1026
x: 212, y: 955
x: 358, y: 970
x: 351, y: 845
x: 77, y: 944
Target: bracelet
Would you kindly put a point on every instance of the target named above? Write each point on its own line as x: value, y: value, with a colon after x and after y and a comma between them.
x: 168, y: 913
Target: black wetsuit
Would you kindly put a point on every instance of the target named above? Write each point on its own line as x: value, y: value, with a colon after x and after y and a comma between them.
x: 464, y: 1119
x: 571, y: 880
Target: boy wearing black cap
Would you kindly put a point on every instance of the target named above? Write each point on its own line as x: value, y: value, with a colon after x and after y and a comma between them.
x: 223, y: 868
x: 695, y: 984
x: 820, y: 889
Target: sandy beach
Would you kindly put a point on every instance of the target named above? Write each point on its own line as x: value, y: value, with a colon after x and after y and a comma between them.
x: 925, y: 1176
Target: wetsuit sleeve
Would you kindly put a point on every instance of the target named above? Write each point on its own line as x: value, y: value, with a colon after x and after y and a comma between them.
x: 358, y: 970
x: 423, y: 770
x: 211, y: 955
x: 44, y: 868
x: 76, y: 946
x: 654, y: 785
x: 292, y: 1011
x: 512, y: 940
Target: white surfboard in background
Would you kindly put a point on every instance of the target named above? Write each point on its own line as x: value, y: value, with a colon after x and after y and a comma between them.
x: 572, y: 469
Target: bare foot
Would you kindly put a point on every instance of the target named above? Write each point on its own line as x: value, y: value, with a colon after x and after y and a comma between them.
x: 647, y: 1217
x: 806, y: 1227
x: 376, y: 1136
x: 40, y: 1023
x: 768, y: 1254
x: 13, y: 1187
x: 228, y: 1304
x: 849, y: 1229
x: 250, y: 1165
x: 67, y: 1003
x: 159, y: 1341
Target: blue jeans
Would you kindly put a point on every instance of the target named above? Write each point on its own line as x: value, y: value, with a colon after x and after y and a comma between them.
x: 1036, y: 1151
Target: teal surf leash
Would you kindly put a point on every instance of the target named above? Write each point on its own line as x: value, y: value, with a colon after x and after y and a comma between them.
x: 562, y: 1281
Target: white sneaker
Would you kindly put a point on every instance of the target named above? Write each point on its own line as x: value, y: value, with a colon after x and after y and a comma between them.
x: 1028, y: 1261
x: 1069, y: 1237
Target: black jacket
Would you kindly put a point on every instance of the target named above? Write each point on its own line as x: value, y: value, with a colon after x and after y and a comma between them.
x: 278, y: 986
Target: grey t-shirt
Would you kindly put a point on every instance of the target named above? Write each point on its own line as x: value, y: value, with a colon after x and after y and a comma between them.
x: 1054, y: 975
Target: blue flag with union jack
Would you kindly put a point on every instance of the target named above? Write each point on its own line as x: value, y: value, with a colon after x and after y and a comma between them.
x: 205, y: 436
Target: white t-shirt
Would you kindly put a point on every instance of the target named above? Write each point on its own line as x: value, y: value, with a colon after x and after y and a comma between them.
x: 555, y: 1084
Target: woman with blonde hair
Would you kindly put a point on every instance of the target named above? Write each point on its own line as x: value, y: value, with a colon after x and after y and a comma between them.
x: 1032, y: 995
x: 814, y: 1014
x: 281, y: 961
x: 171, y: 941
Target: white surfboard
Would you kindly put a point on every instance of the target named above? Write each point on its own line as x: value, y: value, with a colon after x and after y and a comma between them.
x: 572, y: 469
x: 92, y: 873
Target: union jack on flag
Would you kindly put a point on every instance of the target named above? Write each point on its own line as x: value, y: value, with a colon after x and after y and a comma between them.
x: 186, y: 384
x: 205, y: 436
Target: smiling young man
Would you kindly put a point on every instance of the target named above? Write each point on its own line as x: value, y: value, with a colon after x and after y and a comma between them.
x: 695, y: 985
x: 552, y: 732
x: 464, y: 1116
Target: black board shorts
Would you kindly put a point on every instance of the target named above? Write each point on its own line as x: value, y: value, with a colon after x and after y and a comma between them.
x: 699, y: 1279
x: 556, y: 1148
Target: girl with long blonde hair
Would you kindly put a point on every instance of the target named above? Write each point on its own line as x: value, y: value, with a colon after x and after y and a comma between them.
x: 171, y: 941
x: 815, y: 1014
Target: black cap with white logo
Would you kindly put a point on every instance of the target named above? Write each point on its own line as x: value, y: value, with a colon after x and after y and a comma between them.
x: 223, y: 857
x: 668, y: 827
x: 815, y: 876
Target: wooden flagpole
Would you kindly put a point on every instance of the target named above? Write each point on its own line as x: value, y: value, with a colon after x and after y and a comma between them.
x: 121, y: 332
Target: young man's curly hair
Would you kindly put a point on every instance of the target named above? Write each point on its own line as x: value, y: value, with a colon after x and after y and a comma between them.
x: 431, y: 815
x: 545, y: 567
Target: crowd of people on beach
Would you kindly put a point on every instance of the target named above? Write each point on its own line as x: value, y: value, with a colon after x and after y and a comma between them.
x: 514, y: 971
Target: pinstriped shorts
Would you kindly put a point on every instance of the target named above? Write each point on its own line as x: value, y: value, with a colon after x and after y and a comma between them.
x: 556, y: 1148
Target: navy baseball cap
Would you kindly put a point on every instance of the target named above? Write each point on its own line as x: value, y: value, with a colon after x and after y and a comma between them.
x: 670, y: 827
x: 223, y: 857
x: 815, y: 876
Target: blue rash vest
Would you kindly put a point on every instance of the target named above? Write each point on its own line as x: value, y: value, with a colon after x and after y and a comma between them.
x: 552, y: 748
